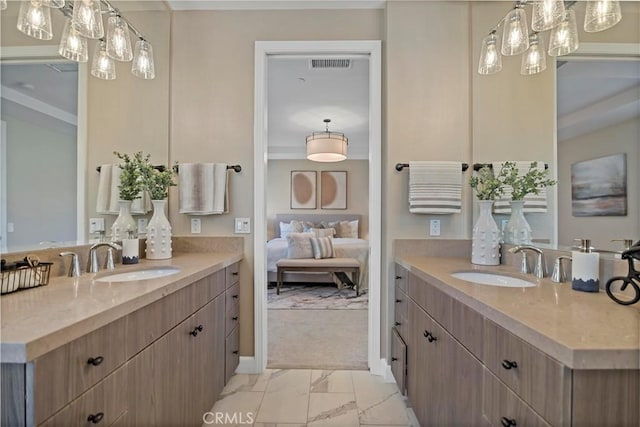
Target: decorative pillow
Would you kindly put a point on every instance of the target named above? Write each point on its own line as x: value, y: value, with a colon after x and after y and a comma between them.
x: 323, y: 232
x: 299, y: 245
x: 332, y: 224
x: 322, y: 247
x: 348, y: 229
x: 307, y: 226
x: 291, y: 227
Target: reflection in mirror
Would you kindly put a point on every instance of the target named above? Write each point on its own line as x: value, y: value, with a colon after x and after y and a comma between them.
x: 38, y: 170
x: 598, y: 150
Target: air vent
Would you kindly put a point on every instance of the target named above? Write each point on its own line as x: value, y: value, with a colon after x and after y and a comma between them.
x: 64, y: 67
x: 330, y: 63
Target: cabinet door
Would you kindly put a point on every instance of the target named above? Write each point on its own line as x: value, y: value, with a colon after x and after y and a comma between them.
x: 399, y: 360
x: 419, y: 359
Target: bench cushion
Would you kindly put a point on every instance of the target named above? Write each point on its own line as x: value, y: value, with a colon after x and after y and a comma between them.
x: 326, y: 262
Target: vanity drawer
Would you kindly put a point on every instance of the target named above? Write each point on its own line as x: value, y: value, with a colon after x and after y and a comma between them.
x: 432, y: 300
x: 401, y: 316
x: 399, y: 361
x: 106, y: 402
x: 539, y: 380
x: 500, y: 406
x: 64, y: 373
x: 402, y: 278
x: 233, y: 274
x: 232, y: 296
x: 232, y: 354
x: 232, y: 318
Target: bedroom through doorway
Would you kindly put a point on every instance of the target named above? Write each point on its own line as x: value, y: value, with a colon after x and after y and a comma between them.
x: 317, y: 319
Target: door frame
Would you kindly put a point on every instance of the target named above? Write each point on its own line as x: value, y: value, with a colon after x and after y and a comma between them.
x: 263, y: 49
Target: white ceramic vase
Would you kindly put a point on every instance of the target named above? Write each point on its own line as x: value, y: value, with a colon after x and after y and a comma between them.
x: 124, y: 223
x: 518, y: 230
x: 158, y: 233
x: 485, y: 245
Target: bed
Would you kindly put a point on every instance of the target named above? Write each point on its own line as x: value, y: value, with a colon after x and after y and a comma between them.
x: 356, y: 248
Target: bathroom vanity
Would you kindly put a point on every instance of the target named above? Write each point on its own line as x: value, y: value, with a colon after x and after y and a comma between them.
x: 473, y: 354
x: 149, y: 352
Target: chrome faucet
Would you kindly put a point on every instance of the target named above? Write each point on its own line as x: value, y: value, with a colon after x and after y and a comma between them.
x: 539, y: 270
x: 74, y: 267
x: 559, y: 274
x: 93, y: 256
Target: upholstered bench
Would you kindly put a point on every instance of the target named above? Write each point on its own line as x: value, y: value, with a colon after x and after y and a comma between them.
x: 328, y: 265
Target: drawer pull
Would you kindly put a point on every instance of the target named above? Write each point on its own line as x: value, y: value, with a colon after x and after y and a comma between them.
x: 508, y: 422
x: 235, y: 273
x: 234, y: 296
x: 235, y: 351
x: 398, y: 277
x: 398, y: 301
x: 197, y: 329
x: 393, y: 359
x: 95, y: 361
x: 234, y: 318
x: 429, y: 336
x: 95, y: 418
x: 398, y: 323
x: 508, y: 364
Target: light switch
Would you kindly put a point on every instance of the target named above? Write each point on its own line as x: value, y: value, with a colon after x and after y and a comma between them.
x: 95, y: 225
x: 196, y: 226
x: 434, y: 229
x: 243, y: 225
x: 142, y: 226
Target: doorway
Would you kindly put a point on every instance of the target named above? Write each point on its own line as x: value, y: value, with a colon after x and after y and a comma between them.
x: 372, y: 49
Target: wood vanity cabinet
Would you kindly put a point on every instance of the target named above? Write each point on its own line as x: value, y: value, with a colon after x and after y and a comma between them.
x: 164, y: 364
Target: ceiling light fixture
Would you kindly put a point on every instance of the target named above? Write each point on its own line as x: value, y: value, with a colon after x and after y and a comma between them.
x: 327, y: 146
x: 555, y: 15
x: 85, y: 21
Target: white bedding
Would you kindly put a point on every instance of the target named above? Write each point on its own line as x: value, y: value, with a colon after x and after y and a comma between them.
x: 344, y: 248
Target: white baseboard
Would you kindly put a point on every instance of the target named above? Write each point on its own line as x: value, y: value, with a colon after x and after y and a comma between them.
x: 388, y: 376
x: 247, y: 365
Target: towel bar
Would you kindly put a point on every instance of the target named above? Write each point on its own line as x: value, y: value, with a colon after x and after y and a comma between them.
x: 400, y: 166
x: 478, y: 166
x: 236, y: 168
x: 161, y: 168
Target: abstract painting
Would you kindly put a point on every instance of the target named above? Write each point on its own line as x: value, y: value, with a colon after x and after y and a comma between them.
x: 599, y: 186
x: 303, y: 189
x: 333, y: 185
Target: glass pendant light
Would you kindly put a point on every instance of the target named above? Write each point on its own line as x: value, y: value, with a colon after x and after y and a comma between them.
x: 54, y: 4
x: 88, y: 17
x: 515, y: 36
x: 534, y: 59
x: 118, y: 39
x: 72, y: 45
x: 34, y: 19
x: 564, y: 37
x: 102, y: 66
x: 327, y: 146
x: 142, y: 65
x: 545, y: 14
x: 601, y: 14
x: 3, y: 4
x: 490, y: 59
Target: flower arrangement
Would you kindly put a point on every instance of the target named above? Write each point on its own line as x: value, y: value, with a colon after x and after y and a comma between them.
x: 530, y: 183
x: 488, y: 186
x: 157, y: 182
x: 131, y: 180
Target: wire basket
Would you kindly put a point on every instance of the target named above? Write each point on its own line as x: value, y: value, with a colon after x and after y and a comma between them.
x: 22, y: 276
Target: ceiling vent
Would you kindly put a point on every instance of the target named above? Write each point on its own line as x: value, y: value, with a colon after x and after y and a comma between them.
x: 330, y: 63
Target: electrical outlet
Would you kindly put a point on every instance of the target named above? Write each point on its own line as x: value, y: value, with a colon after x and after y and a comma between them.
x: 10, y: 227
x: 434, y: 228
x: 243, y: 225
x: 196, y: 226
x: 142, y: 226
x: 504, y: 224
x: 95, y: 225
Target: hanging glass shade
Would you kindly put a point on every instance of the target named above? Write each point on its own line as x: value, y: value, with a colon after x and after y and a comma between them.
x: 88, y: 17
x: 564, y: 37
x: 601, y: 14
x: 143, y: 65
x: 118, y: 39
x: 490, y: 59
x: 534, y: 60
x: 34, y: 20
x: 515, y: 37
x: 102, y: 66
x: 546, y: 14
x: 72, y: 45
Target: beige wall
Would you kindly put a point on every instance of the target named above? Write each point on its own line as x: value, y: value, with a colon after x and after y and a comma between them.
x: 279, y: 191
x: 617, y: 139
x: 212, y: 103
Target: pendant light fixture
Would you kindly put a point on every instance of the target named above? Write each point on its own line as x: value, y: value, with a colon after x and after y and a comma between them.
x: 143, y: 65
x: 515, y: 38
x: 34, y: 20
x: 88, y: 16
x: 118, y: 39
x: 534, y: 59
x: 564, y: 37
x: 327, y: 146
x: 72, y: 45
x: 545, y: 14
x: 54, y: 4
x: 102, y: 66
x: 490, y: 59
x: 601, y: 15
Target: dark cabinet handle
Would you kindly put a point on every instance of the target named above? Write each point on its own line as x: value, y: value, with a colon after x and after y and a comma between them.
x: 235, y: 352
x: 398, y: 323
x: 398, y: 277
x: 426, y: 333
x: 393, y: 359
x: 429, y: 336
x: 235, y: 273
x: 234, y: 296
x: 398, y: 301
x: 234, y: 318
x: 508, y: 364
x: 95, y: 418
x: 508, y: 422
x: 197, y: 329
x: 95, y: 361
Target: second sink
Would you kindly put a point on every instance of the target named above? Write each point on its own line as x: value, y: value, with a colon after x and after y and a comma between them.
x: 492, y: 279
x: 142, y: 274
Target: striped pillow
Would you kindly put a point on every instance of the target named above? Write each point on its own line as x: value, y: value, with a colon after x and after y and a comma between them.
x: 322, y: 247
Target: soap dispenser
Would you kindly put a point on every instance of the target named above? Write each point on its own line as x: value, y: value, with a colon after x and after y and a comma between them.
x: 585, y: 268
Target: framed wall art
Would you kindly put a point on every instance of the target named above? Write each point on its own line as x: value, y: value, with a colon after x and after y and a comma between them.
x: 333, y: 185
x: 303, y: 190
x: 599, y: 186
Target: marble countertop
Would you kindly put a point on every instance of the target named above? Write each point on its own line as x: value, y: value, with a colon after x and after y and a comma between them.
x: 38, y: 320
x: 581, y: 330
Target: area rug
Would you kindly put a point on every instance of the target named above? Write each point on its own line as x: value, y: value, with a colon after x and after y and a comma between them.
x: 315, y: 296
x: 317, y: 339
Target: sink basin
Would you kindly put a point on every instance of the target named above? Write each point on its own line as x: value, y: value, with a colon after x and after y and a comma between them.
x: 492, y: 279
x: 142, y: 274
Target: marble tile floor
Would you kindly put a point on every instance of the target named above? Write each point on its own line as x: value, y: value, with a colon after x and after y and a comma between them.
x: 304, y: 397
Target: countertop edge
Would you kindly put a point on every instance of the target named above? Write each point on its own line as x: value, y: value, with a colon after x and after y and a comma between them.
x: 25, y: 352
x: 587, y: 359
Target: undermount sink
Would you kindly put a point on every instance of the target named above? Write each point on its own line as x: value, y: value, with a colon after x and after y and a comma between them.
x: 142, y: 274
x: 492, y: 279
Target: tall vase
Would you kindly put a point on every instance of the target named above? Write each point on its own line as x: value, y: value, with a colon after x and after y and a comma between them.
x: 485, y: 246
x: 518, y: 230
x: 158, y: 233
x: 124, y: 224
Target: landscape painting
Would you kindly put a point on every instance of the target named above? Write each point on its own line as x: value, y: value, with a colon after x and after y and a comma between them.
x: 599, y: 186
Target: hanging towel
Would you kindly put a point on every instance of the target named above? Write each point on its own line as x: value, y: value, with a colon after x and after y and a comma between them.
x: 533, y: 203
x: 141, y: 205
x: 108, y: 192
x: 196, y: 188
x: 435, y: 187
x: 220, y: 188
